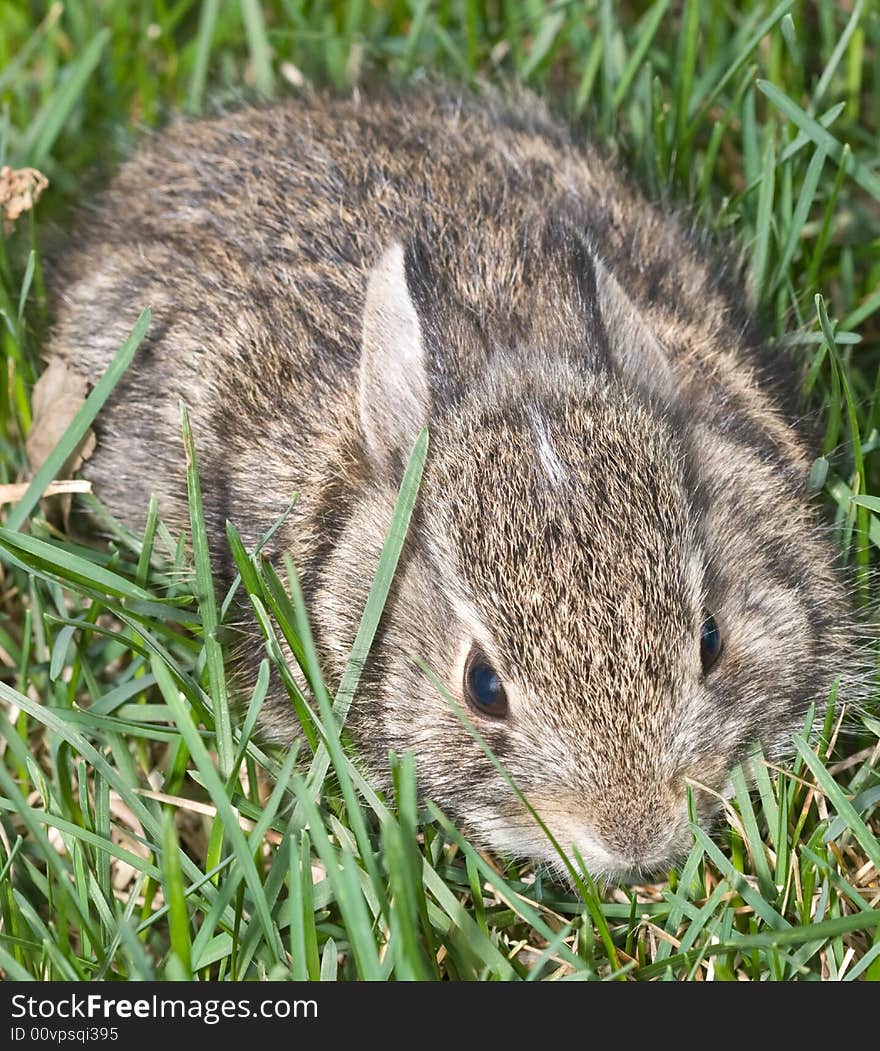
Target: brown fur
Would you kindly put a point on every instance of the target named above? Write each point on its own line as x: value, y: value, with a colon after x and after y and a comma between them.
x: 612, y: 444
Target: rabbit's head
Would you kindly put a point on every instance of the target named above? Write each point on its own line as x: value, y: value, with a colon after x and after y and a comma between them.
x: 620, y: 591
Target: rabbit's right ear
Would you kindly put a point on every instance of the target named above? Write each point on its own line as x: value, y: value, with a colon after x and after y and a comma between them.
x: 633, y: 347
x: 584, y: 310
x: 393, y: 394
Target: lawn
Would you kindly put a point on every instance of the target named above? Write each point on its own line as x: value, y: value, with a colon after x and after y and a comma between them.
x: 144, y: 832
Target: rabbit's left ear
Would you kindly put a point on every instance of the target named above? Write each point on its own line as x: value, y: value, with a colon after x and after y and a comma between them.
x: 393, y: 393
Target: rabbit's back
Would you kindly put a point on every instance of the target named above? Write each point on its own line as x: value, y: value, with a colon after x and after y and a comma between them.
x: 251, y: 235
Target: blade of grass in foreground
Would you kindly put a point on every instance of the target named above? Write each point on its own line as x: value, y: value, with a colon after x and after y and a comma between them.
x: 79, y: 425
x: 207, y: 606
x: 58, y: 722
x: 341, y: 871
x: 217, y: 790
x: 388, y: 560
x: 813, y: 932
x: 331, y: 746
x: 338, y: 756
x: 53, y: 560
x: 408, y: 914
x: 304, y: 959
x: 837, y: 797
x: 173, y: 890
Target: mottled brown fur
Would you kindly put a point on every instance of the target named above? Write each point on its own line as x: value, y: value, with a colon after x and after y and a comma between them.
x: 613, y: 452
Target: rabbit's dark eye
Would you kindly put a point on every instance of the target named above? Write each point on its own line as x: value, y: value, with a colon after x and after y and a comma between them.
x: 710, y: 644
x: 483, y: 687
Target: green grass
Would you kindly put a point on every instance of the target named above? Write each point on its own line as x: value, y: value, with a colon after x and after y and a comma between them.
x: 143, y: 831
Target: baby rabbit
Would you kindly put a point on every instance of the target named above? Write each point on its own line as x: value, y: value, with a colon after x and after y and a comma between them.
x: 614, y: 565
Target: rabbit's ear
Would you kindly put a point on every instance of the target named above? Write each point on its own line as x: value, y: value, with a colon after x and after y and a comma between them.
x: 564, y: 308
x: 393, y: 389
x: 582, y: 311
x: 634, y: 349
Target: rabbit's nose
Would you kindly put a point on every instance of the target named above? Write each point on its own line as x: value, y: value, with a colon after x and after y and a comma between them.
x: 642, y: 832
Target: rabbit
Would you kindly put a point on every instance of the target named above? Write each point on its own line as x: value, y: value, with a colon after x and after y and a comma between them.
x: 614, y: 565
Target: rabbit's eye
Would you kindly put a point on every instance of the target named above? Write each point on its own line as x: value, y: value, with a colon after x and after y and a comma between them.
x: 710, y: 644
x: 483, y: 687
